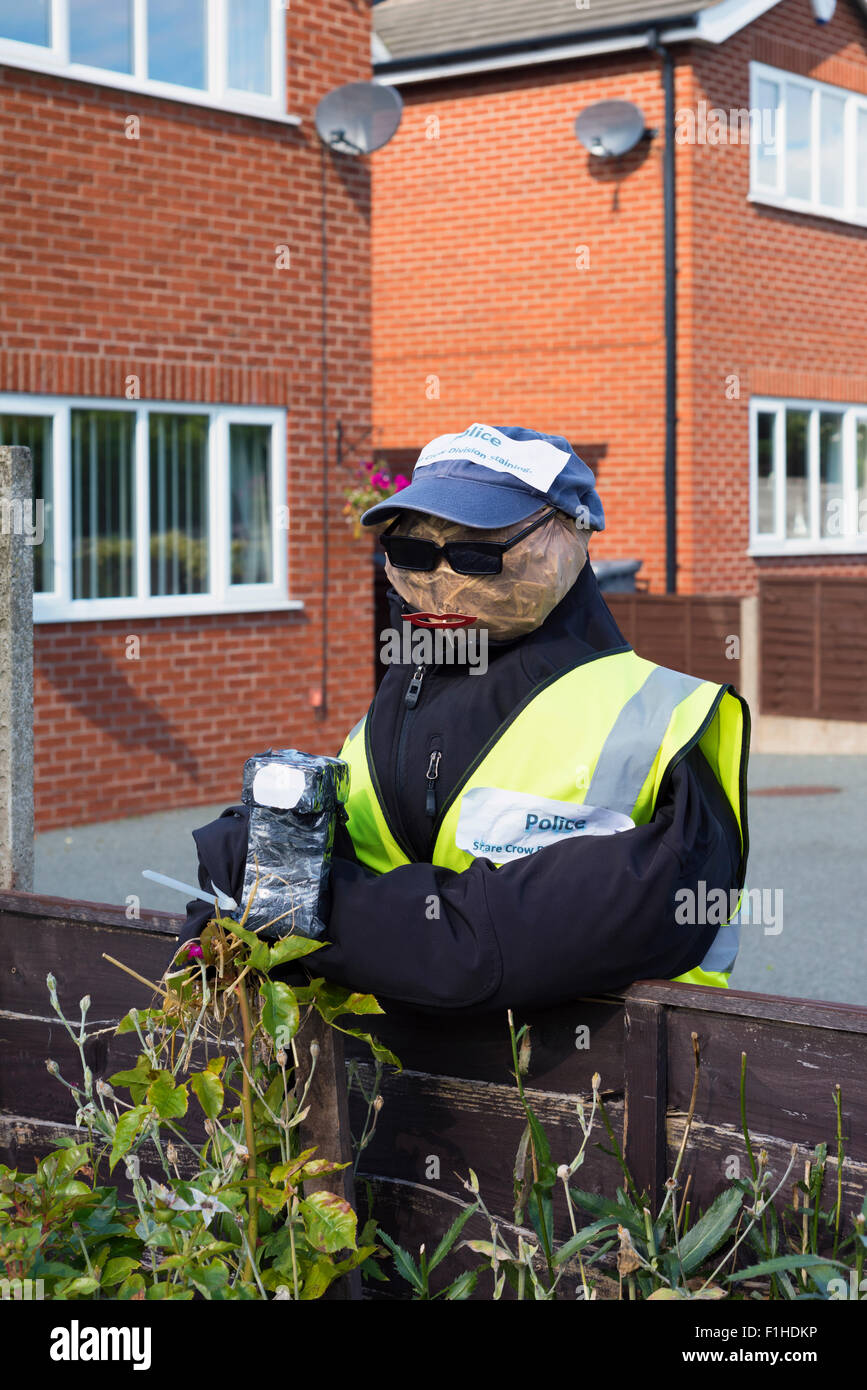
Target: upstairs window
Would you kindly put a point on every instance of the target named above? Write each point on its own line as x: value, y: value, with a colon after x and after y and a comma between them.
x: 810, y: 148
x: 226, y: 53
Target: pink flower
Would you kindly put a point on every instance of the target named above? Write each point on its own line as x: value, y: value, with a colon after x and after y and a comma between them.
x: 400, y: 482
x: 194, y: 950
x: 380, y: 479
x: 367, y: 466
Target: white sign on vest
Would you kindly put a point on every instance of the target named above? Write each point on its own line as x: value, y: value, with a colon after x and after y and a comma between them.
x: 498, y: 824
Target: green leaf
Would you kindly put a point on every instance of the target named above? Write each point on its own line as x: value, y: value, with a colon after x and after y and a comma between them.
x: 788, y: 1262
x: 579, y: 1240
x: 146, y: 1019
x: 403, y: 1261
x: 462, y: 1287
x: 319, y: 1275
x: 125, y: 1133
x: 59, y: 1164
x: 280, y: 1013
x: 710, y: 1230
x: 329, y: 1221
x: 208, y: 1090
x: 117, y: 1270
x: 169, y: 1100
x: 292, y: 948
x: 141, y: 1074
x: 333, y: 1000
x: 451, y: 1236
x: 82, y: 1287
x: 381, y: 1053
x: 130, y: 1287
x: 604, y: 1206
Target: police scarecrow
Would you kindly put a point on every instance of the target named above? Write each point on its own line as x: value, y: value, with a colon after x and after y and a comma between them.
x: 535, y: 812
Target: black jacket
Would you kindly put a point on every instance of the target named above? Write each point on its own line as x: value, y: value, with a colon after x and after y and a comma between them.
x: 585, y: 916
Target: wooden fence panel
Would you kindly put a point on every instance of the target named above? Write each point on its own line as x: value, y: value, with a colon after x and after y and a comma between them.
x: 455, y: 1105
x: 688, y: 632
x: 813, y: 645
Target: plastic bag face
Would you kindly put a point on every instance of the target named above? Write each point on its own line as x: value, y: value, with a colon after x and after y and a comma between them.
x: 537, y: 573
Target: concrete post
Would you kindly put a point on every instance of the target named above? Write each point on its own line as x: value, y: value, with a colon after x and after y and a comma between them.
x: 17, y: 510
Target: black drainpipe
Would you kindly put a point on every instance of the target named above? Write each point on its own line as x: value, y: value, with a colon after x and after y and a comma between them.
x: 670, y: 318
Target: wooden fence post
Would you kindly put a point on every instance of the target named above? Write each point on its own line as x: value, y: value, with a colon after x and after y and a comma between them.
x: 18, y: 532
x: 327, y: 1125
x: 645, y: 1096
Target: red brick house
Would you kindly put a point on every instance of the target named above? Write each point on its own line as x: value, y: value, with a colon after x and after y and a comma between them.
x: 163, y: 352
x: 520, y: 279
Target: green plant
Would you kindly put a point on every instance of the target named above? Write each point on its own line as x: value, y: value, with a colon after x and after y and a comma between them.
x: 227, y: 1214
x: 659, y: 1257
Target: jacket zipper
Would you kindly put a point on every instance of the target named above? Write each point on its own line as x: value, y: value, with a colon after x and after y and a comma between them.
x: 433, y: 772
x: 410, y: 700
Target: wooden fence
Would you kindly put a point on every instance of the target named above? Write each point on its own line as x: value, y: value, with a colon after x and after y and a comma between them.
x: 688, y: 632
x: 455, y: 1106
x: 813, y: 646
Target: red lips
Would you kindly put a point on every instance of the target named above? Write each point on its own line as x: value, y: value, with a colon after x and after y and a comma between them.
x: 435, y: 620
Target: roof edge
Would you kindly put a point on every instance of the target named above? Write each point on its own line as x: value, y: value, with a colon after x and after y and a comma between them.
x: 714, y: 25
x: 529, y: 49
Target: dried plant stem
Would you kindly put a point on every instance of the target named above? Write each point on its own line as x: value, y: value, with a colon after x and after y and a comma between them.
x: 249, y: 1130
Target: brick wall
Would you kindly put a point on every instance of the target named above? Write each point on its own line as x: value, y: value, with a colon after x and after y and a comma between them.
x: 156, y: 257
x: 779, y: 298
x: 477, y: 296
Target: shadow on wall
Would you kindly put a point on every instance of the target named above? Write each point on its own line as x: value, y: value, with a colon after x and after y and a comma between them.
x: 99, y: 690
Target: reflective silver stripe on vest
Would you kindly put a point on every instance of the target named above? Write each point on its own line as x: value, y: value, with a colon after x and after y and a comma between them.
x: 629, y: 751
x: 354, y: 730
x: 724, y: 951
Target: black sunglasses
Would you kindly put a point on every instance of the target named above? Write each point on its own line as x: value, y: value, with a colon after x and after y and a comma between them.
x: 465, y: 557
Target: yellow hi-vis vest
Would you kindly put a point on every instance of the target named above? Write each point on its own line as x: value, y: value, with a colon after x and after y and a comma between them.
x: 619, y: 721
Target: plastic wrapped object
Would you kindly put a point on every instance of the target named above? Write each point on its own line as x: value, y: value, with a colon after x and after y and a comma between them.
x: 294, y: 800
x: 537, y: 573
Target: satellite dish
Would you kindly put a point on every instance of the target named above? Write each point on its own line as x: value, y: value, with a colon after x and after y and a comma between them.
x: 358, y: 117
x: 610, y: 128
x: 823, y: 10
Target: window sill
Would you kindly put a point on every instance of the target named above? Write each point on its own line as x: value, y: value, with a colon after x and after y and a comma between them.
x: 818, y: 549
x: 858, y: 219
x: 262, y: 108
x: 128, y: 610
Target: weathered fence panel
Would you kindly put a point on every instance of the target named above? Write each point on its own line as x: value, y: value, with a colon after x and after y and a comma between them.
x: 454, y: 1106
x: 688, y: 632
x: 813, y: 646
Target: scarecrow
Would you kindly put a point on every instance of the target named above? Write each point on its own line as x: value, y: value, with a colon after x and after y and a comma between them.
x: 558, y: 819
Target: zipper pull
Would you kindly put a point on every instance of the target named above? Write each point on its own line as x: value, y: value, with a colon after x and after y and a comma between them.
x: 433, y: 772
x: 410, y: 699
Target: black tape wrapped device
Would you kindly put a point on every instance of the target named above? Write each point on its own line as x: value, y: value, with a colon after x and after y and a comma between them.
x: 294, y: 800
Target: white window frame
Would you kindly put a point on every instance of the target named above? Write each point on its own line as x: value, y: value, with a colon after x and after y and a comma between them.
x: 222, y: 596
x: 854, y: 538
x: 55, y: 60
x: 777, y: 196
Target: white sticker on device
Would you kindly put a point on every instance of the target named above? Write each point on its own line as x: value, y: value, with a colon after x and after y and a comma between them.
x: 500, y: 825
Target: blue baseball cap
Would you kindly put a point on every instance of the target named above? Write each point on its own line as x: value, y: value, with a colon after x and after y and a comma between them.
x: 490, y: 476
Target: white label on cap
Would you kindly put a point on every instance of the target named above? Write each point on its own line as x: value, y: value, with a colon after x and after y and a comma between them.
x: 275, y: 784
x: 500, y: 825
x: 534, y: 461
